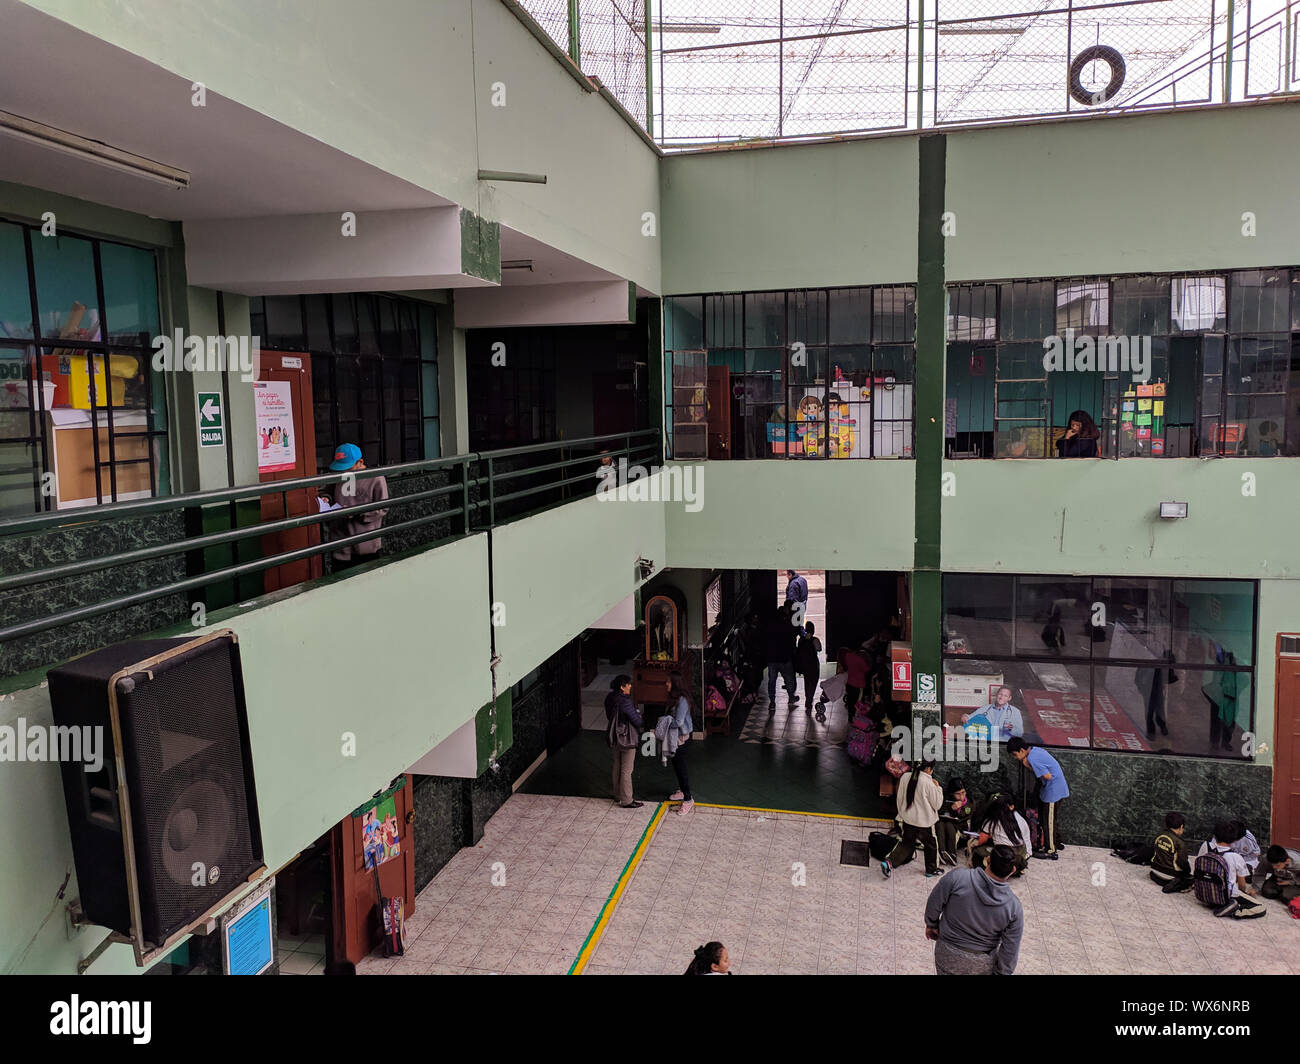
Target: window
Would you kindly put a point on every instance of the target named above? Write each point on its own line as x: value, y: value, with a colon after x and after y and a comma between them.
x: 1163, y: 366
x: 82, y: 411
x: 374, y: 370
x: 1149, y: 665
x: 812, y: 373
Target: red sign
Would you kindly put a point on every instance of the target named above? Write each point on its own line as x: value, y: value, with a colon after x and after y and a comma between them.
x: 902, y: 676
x: 1061, y: 719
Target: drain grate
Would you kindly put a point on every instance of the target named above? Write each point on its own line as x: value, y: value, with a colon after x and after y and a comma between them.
x: 855, y: 853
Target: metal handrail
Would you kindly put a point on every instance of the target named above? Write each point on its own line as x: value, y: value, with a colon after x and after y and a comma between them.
x: 469, y: 478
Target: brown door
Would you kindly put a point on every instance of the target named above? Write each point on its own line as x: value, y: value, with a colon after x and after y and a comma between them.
x: 356, y: 929
x: 293, y: 374
x: 1286, y: 749
x: 719, y: 412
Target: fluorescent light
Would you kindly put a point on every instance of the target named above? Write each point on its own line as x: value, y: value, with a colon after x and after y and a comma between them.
x: 92, y: 151
x: 518, y: 264
x: 979, y: 31
x: 1173, y: 509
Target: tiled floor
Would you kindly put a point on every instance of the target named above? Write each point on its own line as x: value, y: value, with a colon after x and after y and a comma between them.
x: 301, y: 954
x: 731, y: 876
x: 555, y: 861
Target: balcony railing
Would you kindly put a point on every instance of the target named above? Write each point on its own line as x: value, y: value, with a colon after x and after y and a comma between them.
x: 74, y: 580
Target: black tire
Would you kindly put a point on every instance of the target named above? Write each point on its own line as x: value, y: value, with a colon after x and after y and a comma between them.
x: 1112, y: 59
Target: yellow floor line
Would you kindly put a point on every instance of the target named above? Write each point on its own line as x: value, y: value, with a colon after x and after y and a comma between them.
x: 795, y: 812
x: 593, y: 936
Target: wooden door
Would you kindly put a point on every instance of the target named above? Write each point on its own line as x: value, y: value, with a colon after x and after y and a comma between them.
x: 719, y: 412
x: 1286, y: 748
x: 356, y: 930
x: 295, y: 372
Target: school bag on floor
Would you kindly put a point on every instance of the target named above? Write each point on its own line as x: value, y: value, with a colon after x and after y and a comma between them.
x: 880, y: 844
x: 1037, y: 837
x: 1210, y: 880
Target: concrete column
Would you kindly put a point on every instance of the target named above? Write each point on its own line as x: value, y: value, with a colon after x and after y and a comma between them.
x: 453, y: 392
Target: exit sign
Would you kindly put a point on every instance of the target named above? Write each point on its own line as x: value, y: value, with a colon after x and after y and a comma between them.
x: 212, y: 428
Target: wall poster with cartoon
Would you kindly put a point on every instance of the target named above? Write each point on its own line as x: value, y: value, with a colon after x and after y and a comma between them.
x: 379, y: 834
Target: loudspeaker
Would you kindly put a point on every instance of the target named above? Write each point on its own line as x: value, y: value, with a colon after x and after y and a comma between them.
x: 167, y: 831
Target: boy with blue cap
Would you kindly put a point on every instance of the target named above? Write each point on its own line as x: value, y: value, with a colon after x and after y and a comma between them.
x: 357, y: 491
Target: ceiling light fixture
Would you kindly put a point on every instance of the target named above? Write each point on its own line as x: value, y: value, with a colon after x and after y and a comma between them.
x: 92, y: 151
x: 517, y: 264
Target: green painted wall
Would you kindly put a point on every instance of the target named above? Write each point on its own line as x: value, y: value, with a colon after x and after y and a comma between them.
x: 1122, y: 195
x: 559, y: 571
x: 387, y: 655
x: 1100, y: 517
x: 799, y: 515
x: 790, y: 217
x: 410, y: 92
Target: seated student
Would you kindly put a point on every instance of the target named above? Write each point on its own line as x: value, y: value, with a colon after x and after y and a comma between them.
x: 1169, y: 865
x: 1240, y: 896
x: 1080, y: 439
x: 1248, y: 846
x: 954, y: 818
x: 1002, y: 826
x: 1277, y: 879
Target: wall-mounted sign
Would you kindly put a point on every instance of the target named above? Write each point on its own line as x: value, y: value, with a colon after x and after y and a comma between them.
x: 926, y: 688
x: 212, y: 426
x: 246, y: 946
x: 276, y: 446
x: 903, y: 676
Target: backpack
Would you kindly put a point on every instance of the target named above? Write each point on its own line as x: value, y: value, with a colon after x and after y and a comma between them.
x: 1293, y: 907
x: 1210, y: 879
x: 1036, y: 838
x: 880, y: 845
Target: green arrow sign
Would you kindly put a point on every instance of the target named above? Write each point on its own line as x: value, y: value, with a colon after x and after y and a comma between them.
x: 212, y: 432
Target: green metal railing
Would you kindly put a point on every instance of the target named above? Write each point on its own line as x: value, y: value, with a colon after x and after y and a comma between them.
x: 475, y: 488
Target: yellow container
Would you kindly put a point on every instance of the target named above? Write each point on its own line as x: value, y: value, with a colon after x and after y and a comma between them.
x: 120, y: 367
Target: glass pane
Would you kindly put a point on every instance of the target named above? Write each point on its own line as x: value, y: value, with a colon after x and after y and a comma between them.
x: 345, y: 324
x: 284, y: 323
x: 130, y: 292
x: 367, y: 327
x: 1256, y: 395
x: 1212, y: 435
x: 808, y: 317
x: 1130, y: 618
x: 683, y: 323
x: 318, y: 323
x: 1053, y: 616
x: 977, y: 613
x: 1259, y: 301
x: 15, y: 300
x: 1207, y: 712
x: 1144, y: 408
x: 1200, y: 304
x: 1213, y: 622
x: 1141, y: 306
x: 428, y: 332
x: 408, y: 328
x: 65, y: 288
x: 973, y: 312
x: 850, y: 312
x: 765, y: 319
x: 723, y: 318
x: 1083, y: 306
x: 348, y: 382
x: 1027, y: 310
x: 389, y: 343
x: 894, y: 315
x: 257, y: 317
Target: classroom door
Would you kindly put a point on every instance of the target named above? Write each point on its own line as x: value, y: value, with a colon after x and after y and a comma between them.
x: 289, y: 377
x: 1286, y: 747
x: 356, y: 924
x: 719, y: 412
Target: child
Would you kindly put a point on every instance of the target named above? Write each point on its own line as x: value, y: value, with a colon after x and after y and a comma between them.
x: 1213, y: 879
x: 1169, y: 866
x: 1247, y: 846
x: 809, y: 666
x: 954, y: 818
x: 1001, y: 825
x: 1277, y: 878
x: 1052, y: 791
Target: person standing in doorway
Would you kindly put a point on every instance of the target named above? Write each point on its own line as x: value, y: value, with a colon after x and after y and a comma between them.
x: 808, y: 664
x: 780, y: 657
x: 920, y: 797
x: 796, y: 588
x: 975, y: 920
x: 1052, y: 791
x: 679, y: 705
x: 357, y: 491
x: 857, y: 665
x: 625, y: 725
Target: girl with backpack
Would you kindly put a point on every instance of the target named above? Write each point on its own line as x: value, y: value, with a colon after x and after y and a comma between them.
x: 1219, y: 876
x: 920, y: 797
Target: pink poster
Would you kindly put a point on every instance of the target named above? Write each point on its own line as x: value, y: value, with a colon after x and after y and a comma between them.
x: 276, y: 447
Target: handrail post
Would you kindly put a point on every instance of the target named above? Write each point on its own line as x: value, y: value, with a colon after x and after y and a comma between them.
x: 492, y: 502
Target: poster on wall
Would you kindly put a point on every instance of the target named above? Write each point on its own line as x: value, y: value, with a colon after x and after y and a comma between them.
x: 276, y: 446
x: 379, y: 834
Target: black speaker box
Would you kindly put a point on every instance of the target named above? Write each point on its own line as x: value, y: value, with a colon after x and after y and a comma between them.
x: 168, y: 830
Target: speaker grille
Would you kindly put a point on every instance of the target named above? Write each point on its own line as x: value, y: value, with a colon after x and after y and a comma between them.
x: 181, y: 734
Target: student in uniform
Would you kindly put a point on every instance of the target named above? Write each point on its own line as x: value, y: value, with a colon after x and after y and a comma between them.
x: 710, y: 959
x: 807, y: 663
x: 1052, y: 791
x: 1169, y: 864
x: 954, y: 818
x: 1002, y: 826
x: 919, y: 799
x: 1242, y: 897
x: 1277, y: 880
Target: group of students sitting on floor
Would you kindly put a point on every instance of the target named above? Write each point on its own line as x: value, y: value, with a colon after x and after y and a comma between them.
x: 1229, y: 873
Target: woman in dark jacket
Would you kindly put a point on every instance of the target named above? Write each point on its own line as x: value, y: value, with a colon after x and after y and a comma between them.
x: 622, y: 717
x: 1080, y: 439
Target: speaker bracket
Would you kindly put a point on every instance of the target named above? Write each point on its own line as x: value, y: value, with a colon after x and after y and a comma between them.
x: 84, y: 964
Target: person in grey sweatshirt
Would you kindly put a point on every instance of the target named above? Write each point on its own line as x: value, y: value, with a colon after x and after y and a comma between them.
x: 975, y: 920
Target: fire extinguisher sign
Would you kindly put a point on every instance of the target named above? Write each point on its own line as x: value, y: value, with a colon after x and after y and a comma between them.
x: 903, y: 676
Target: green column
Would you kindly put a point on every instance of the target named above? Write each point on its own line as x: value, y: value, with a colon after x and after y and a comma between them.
x: 575, y: 34
x: 931, y: 332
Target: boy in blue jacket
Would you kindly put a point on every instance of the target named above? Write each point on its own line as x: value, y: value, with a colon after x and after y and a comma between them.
x: 1052, y: 790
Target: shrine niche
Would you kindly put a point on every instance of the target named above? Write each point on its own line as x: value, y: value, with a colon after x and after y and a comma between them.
x: 663, y: 647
